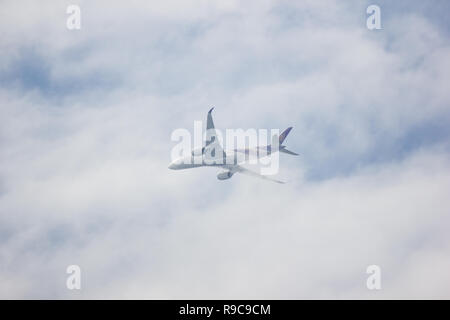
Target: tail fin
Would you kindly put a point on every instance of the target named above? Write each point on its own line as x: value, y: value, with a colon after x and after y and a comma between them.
x: 284, y: 135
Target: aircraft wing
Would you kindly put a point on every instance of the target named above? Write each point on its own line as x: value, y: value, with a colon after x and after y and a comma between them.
x: 248, y: 172
x: 212, y: 144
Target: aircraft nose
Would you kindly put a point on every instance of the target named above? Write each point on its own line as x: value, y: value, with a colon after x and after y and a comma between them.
x: 173, y: 165
x: 176, y: 164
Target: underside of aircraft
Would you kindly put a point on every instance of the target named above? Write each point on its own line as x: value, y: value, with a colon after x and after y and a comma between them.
x: 213, y: 154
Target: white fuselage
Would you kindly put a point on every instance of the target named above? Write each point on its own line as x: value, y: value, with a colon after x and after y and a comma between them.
x: 202, y: 161
x: 232, y: 158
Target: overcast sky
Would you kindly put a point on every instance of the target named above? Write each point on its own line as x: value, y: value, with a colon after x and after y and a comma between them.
x: 85, y: 123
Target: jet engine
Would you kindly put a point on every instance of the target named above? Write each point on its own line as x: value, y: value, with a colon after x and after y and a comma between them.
x: 223, y: 175
x: 198, y: 151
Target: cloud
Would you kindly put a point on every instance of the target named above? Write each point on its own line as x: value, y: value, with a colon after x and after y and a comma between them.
x: 85, y: 127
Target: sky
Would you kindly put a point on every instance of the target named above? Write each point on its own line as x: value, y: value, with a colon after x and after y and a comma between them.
x: 85, y: 123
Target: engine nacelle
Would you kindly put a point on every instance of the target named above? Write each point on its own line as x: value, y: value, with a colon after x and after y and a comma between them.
x: 198, y: 151
x: 224, y: 175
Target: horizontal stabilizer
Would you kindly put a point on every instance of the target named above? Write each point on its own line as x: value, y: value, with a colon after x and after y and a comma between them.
x: 288, y: 152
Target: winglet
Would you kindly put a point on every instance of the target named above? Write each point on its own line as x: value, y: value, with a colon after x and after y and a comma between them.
x: 211, y: 110
x: 275, y: 142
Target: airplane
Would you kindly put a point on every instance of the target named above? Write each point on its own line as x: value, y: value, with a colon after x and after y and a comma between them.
x: 232, y: 162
